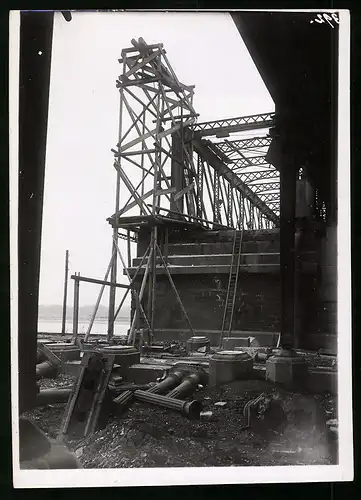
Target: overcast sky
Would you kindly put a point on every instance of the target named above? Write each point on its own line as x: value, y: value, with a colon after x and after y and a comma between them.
x: 204, y: 49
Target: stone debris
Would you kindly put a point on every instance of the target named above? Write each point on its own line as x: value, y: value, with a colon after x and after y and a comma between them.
x: 61, y: 381
x: 332, y: 425
x: 206, y: 414
x: 332, y: 421
x: 147, y: 437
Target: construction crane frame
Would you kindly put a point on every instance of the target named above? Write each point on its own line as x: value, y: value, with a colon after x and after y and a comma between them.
x: 168, y: 173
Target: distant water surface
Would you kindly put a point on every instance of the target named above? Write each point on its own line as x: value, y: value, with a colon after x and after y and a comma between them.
x: 99, y: 327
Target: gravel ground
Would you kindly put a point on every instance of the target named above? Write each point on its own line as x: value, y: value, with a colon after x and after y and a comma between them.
x: 287, y: 429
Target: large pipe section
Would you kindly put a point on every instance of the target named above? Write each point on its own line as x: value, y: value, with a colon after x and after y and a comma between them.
x: 45, y: 369
x: 170, y: 382
x: 123, y: 400
x: 40, y: 356
x: 190, y: 409
x: 53, y: 396
x: 188, y: 386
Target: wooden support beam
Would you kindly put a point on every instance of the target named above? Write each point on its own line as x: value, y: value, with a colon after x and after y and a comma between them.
x: 130, y: 50
x: 133, y: 204
x: 131, y: 288
x: 153, y: 280
x: 191, y: 217
x: 178, y: 117
x: 65, y: 292
x: 161, y: 192
x: 76, y: 307
x: 175, y: 128
x: 140, y: 65
x: 98, y: 282
x: 139, y: 117
x: 135, y: 153
x: 99, y: 297
x: 187, y: 189
x: 130, y: 187
x: 135, y: 141
x: 146, y: 107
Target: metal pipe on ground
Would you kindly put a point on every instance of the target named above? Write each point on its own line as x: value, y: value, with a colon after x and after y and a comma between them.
x: 123, y: 400
x: 40, y: 356
x: 53, y: 396
x: 187, y: 387
x: 45, y: 369
x: 190, y: 409
x: 171, y: 381
x: 262, y: 356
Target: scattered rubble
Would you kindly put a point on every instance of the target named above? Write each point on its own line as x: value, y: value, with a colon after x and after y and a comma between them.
x: 145, y: 436
x: 245, y: 422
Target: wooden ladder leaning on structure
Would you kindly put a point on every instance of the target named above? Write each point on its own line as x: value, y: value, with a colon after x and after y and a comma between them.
x: 232, y: 284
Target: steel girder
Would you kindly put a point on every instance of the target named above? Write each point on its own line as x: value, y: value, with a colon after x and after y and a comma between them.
x: 250, y: 161
x: 244, y: 144
x: 247, y: 167
x: 202, y: 148
x: 265, y: 187
x: 222, y: 128
x: 261, y: 174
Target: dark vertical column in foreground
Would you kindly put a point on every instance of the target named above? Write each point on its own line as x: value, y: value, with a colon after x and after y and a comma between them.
x: 287, y: 249
x: 36, y: 32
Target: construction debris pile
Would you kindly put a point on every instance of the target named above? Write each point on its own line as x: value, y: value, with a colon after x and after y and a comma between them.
x: 179, y: 417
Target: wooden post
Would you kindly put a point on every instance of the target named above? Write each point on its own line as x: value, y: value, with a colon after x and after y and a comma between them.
x: 113, y: 275
x: 150, y: 288
x: 131, y: 281
x: 166, y: 245
x: 65, y: 291
x: 129, y: 249
x: 154, y: 279
x: 112, y: 292
x: 99, y: 298
x: 76, y: 308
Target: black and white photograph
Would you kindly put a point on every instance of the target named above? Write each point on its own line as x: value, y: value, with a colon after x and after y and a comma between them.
x: 180, y: 247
